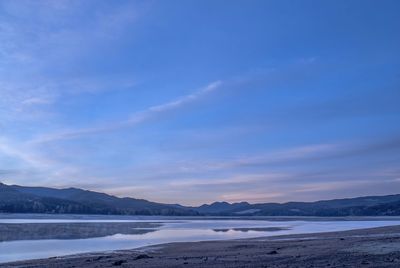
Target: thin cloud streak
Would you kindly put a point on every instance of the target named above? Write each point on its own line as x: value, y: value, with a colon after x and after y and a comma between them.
x: 280, y: 159
x: 300, y: 154
x: 135, y: 119
x: 239, y: 179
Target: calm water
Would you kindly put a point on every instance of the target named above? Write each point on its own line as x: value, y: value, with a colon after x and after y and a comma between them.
x: 41, y: 237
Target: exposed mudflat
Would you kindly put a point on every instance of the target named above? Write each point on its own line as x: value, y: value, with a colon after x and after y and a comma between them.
x: 377, y: 247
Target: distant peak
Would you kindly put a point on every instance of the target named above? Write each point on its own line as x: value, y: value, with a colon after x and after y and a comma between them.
x: 73, y: 188
x: 220, y: 203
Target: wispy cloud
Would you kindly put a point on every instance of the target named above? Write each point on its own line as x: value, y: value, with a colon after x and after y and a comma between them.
x: 236, y: 179
x: 9, y: 148
x: 32, y: 28
x: 251, y: 196
x: 30, y: 155
x: 274, y: 157
x: 295, y: 155
x: 320, y: 187
x: 7, y: 171
x: 134, y: 119
x: 38, y: 37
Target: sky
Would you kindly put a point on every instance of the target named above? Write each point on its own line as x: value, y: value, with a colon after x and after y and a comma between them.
x: 193, y: 102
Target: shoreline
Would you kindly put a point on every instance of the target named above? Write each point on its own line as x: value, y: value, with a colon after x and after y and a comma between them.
x: 106, y: 217
x: 373, y: 247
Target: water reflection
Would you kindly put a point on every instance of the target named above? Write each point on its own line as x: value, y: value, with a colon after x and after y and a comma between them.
x: 255, y: 229
x: 77, y: 230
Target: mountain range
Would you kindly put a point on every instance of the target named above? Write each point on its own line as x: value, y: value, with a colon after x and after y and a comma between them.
x: 22, y: 199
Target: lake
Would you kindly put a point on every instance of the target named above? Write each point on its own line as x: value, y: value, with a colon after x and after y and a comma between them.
x: 40, y: 236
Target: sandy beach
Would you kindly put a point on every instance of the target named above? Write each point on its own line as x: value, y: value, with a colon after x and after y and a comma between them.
x: 376, y: 247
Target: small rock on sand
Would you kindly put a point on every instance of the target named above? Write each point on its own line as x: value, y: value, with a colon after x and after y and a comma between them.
x: 142, y: 256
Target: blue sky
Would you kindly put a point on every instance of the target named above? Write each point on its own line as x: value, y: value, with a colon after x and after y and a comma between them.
x: 198, y: 101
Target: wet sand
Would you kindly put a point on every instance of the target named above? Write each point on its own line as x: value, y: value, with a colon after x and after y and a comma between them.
x: 376, y: 247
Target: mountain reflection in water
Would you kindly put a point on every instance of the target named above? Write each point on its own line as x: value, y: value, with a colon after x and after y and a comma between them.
x: 76, y: 230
